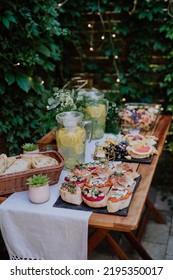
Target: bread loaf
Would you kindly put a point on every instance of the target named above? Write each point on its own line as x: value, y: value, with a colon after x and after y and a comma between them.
x: 43, y: 161
x: 3, y: 162
x: 10, y: 161
x: 18, y: 166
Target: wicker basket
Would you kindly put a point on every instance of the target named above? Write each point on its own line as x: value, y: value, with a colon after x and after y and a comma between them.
x: 15, y: 182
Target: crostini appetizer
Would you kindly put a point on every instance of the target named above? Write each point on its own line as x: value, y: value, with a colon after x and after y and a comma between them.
x: 94, y: 198
x: 118, y: 199
x: 102, y: 183
x: 70, y: 193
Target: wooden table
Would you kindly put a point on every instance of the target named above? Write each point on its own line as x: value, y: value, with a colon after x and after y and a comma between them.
x: 140, y: 206
x: 132, y: 225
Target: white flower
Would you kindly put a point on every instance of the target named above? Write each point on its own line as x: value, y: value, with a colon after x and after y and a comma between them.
x: 69, y: 100
x: 62, y: 100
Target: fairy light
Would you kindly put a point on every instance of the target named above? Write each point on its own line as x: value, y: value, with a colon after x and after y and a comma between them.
x: 42, y: 83
x: 62, y: 3
x: 17, y: 64
x: 118, y: 80
x: 90, y: 25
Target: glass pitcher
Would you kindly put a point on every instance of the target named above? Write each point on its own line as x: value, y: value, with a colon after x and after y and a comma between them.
x: 71, y: 137
x: 96, y: 108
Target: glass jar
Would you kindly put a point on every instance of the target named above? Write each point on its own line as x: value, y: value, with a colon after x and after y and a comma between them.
x: 95, y: 110
x: 71, y: 137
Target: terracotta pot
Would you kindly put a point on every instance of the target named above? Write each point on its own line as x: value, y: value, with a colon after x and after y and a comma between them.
x: 39, y: 194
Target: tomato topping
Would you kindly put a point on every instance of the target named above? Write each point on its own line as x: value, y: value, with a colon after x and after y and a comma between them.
x: 134, y: 136
x: 143, y: 149
x: 90, y: 198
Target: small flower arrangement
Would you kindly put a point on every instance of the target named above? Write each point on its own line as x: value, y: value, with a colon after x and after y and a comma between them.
x: 37, y: 180
x: 62, y: 100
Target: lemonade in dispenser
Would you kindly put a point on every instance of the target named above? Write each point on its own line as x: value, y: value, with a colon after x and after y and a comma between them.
x: 71, y: 137
x: 96, y: 108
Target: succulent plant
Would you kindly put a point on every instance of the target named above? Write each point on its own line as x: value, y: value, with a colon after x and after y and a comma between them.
x: 29, y: 147
x: 37, y: 180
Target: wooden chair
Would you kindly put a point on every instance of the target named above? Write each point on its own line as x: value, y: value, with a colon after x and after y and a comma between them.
x: 2, y: 198
x: 48, y: 141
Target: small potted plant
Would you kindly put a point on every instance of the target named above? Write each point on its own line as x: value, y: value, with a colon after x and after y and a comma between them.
x: 30, y: 148
x: 39, y: 191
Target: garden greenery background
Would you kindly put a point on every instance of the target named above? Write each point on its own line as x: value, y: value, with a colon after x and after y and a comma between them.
x: 36, y: 39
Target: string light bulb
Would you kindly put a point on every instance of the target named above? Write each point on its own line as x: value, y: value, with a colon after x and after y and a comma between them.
x: 113, y: 35
x: 90, y: 25
x: 17, y: 64
x: 91, y: 49
x: 116, y: 56
x: 62, y: 3
x: 102, y: 37
x: 118, y: 80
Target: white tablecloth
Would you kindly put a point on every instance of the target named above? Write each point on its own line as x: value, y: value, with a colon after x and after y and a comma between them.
x: 41, y: 231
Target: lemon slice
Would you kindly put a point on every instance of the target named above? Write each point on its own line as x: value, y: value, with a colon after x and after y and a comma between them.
x: 94, y: 111
x: 79, y: 148
x: 102, y: 109
x: 81, y: 136
x: 67, y: 139
x: 59, y: 133
x: 98, y: 133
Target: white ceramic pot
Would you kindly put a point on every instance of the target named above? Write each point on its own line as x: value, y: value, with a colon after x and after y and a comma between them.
x: 39, y: 194
x: 31, y: 152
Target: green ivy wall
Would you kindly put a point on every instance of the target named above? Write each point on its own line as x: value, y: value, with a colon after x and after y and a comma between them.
x: 43, y: 45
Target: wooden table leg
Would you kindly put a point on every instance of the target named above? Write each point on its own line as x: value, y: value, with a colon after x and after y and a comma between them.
x: 95, y: 238
x: 140, y: 232
x: 137, y: 245
x: 116, y: 247
x: 149, y: 209
x: 98, y: 235
x: 159, y: 218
